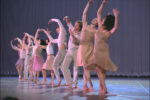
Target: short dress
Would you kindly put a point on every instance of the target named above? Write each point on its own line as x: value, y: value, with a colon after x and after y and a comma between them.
x: 37, y: 59
x: 18, y: 61
x: 101, y: 56
x: 85, y: 49
x: 48, y: 65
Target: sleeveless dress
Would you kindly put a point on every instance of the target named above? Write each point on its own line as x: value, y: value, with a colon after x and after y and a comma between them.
x: 85, y: 49
x: 101, y: 56
x: 37, y: 60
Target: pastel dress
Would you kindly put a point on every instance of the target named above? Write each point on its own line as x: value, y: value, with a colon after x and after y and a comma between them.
x: 18, y: 61
x: 85, y: 49
x: 50, y: 57
x: 37, y: 60
x: 101, y: 57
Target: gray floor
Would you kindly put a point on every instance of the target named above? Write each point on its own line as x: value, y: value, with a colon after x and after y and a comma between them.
x: 119, y: 88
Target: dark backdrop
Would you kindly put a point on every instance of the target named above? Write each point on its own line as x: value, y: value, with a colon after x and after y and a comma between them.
x: 129, y: 47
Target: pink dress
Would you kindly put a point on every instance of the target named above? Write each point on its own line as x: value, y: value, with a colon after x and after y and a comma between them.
x: 37, y: 60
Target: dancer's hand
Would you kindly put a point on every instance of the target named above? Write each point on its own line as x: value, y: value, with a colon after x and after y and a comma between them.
x: 116, y: 12
x: 38, y: 30
x: 104, y: 2
x: 90, y: 1
x: 48, y: 31
x: 50, y: 21
x: 65, y: 18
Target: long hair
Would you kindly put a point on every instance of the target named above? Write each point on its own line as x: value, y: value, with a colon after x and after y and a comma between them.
x: 80, y: 24
x: 109, y: 22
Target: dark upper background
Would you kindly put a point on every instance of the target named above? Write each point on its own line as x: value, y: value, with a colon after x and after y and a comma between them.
x: 129, y: 46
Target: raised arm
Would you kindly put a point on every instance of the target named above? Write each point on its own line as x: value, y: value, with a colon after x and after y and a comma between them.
x: 14, y: 47
x: 99, y: 12
x: 116, y: 13
x: 31, y: 37
x: 69, y: 24
x: 62, y: 29
x: 84, y: 21
x: 19, y: 40
x: 47, y: 32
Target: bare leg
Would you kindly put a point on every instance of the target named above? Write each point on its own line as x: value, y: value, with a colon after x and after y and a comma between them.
x: 31, y: 75
x: 102, y: 74
x: 44, y: 76
x: 104, y: 84
x: 85, y: 87
x: 18, y: 70
x: 52, y: 78
x: 37, y: 81
x: 34, y: 75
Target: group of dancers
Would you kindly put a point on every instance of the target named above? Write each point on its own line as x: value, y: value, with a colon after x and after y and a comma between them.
x: 81, y: 50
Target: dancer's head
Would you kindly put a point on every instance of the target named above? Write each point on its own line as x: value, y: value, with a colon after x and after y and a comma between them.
x: 94, y: 22
x: 58, y: 29
x: 42, y: 42
x: 47, y: 41
x: 78, y: 25
x: 108, y: 22
x: 18, y: 45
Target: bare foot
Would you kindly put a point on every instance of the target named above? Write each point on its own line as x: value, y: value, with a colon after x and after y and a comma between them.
x: 59, y: 83
x: 70, y: 86
x: 31, y: 80
x: 91, y: 89
x: 51, y: 84
x: 43, y: 82
x: 85, y: 87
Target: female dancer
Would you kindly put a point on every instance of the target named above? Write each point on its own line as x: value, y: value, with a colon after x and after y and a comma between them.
x: 22, y: 55
x: 101, y: 59
x: 37, y: 57
x: 17, y: 48
x: 49, y: 61
x: 86, y: 45
x: 27, y: 68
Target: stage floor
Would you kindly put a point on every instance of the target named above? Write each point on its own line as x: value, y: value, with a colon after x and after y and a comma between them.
x: 119, y: 88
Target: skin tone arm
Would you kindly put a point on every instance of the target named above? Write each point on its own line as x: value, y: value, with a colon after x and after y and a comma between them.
x: 47, y: 32
x: 116, y: 13
x: 84, y: 21
x: 99, y: 13
x: 14, y: 47
x: 66, y: 18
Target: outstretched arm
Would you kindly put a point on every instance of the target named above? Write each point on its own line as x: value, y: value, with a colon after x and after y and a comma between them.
x: 62, y: 29
x: 84, y: 21
x: 69, y: 24
x: 47, y: 32
x: 19, y: 40
x: 13, y: 47
x: 99, y: 12
x: 116, y: 13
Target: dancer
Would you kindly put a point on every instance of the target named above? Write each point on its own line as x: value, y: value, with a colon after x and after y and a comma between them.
x: 27, y: 68
x: 61, y: 41
x: 37, y: 60
x: 22, y: 55
x: 86, y: 45
x: 49, y: 61
x: 18, y: 49
x: 71, y: 55
x: 101, y: 59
